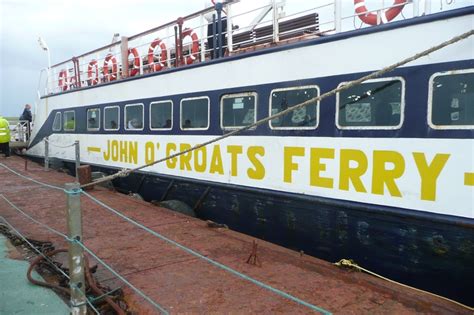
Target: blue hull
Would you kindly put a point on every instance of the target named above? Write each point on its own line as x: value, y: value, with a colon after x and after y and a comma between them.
x: 431, y: 252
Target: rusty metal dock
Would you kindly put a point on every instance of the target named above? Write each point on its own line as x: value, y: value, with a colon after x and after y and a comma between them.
x: 194, y: 268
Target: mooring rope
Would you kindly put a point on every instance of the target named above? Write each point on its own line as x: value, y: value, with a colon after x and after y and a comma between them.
x: 351, y: 264
x: 125, y: 172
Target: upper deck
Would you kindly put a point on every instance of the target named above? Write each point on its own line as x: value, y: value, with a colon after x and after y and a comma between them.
x: 238, y: 29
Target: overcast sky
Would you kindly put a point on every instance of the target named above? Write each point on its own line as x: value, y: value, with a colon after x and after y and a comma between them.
x: 74, y: 27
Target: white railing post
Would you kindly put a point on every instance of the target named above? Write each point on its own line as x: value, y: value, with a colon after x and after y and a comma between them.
x: 76, y: 254
x: 427, y: 7
x: 78, y: 158
x: 276, y: 30
x: 203, y: 30
x: 124, y: 57
x: 337, y: 15
x: 46, y: 154
x: 230, y: 42
x: 416, y: 8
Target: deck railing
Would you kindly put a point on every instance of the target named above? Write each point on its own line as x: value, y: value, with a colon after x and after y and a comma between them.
x: 19, y: 132
x: 190, y: 39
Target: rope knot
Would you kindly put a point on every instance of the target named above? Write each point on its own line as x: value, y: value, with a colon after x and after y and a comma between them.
x: 348, y: 263
x: 124, y: 172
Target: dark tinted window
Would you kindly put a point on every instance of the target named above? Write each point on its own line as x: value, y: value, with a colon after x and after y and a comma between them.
x: 304, y: 117
x: 238, y: 110
x: 111, y: 118
x: 195, y: 113
x: 160, y: 115
x: 93, y: 119
x: 371, y: 104
x: 453, y: 100
x: 134, y: 117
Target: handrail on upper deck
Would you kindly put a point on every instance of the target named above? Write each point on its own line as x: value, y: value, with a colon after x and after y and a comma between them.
x: 104, y: 64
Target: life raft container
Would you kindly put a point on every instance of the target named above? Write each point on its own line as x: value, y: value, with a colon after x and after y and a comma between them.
x: 62, y: 82
x: 93, y: 72
x: 157, y: 66
x: 194, y: 47
x: 135, y: 69
x: 113, y: 75
x: 371, y: 17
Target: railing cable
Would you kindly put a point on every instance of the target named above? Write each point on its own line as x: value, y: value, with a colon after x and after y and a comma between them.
x: 138, y: 291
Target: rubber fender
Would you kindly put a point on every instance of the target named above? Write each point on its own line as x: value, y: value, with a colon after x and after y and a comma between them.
x: 177, y: 206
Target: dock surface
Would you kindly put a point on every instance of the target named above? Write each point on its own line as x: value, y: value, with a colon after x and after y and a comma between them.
x: 17, y: 295
x: 185, y: 283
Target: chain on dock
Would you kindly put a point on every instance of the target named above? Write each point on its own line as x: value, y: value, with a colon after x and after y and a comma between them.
x: 375, y: 74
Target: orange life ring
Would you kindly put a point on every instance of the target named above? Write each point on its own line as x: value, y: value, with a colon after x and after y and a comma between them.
x: 157, y: 66
x: 195, y: 46
x: 91, y: 69
x: 371, y: 17
x: 62, y: 82
x: 136, y: 62
x: 113, y: 75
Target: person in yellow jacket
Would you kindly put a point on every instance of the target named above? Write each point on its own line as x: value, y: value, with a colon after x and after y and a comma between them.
x: 4, y: 136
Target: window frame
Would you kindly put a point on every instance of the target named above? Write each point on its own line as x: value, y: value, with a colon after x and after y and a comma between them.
x: 118, y: 122
x: 181, y: 112
x: 64, y: 120
x: 430, y: 101
x: 125, y: 127
x: 60, y: 121
x: 149, y: 114
x: 233, y: 95
x: 87, y: 122
x: 402, y: 106
x: 290, y: 89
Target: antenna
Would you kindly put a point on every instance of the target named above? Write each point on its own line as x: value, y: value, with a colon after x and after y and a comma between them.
x: 42, y: 43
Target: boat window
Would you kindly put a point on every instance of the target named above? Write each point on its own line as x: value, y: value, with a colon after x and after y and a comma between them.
x: 111, y: 118
x: 195, y: 113
x: 451, y: 100
x: 161, y: 114
x: 301, y: 118
x: 57, y: 122
x: 93, y: 119
x: 238, y: 110
x: 375, y: 104
x: 69, y: 120
x: 133, y: 117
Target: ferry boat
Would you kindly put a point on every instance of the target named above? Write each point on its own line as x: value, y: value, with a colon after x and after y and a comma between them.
x: 382, y: 173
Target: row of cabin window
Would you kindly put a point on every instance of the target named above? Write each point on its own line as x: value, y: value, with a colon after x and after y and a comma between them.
x: 376, y: 104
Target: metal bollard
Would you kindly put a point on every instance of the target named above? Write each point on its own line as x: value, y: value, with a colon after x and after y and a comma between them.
x: 46, y: 154
x: 78, y: 158
x: 76, y: 254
